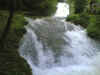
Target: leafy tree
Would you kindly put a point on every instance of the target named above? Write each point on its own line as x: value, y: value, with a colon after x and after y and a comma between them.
x: 78, y: 5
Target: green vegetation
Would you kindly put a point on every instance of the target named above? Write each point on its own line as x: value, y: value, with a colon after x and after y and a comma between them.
x: 10, y: 61
x: 77, y: 6
x: 79, y: 19
x: 32, y: 7
x: 12, y: 29
x: 94, y: 27
x: 40, y: 7
x: 86, y: 13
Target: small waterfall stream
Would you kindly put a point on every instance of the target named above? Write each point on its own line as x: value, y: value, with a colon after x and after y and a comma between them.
x: 55, y: 47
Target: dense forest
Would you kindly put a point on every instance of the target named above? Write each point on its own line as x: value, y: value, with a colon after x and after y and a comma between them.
x: 12, y: 21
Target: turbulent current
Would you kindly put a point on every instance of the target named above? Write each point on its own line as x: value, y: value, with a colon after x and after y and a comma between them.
x: 55, y: 47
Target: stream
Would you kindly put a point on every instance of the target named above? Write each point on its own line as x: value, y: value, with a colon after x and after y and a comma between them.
x: 53, y: 46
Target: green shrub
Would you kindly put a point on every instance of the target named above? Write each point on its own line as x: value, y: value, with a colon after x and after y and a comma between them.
x: 82, y: 19
x: 35, y: 7
x: 94, y: 27
x: 18, y: 21
x: 73, y: 18
x: 10, y: 60
x: 78, y: 6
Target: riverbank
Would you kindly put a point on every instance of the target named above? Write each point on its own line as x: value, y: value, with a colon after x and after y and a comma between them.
x: 11, y: 63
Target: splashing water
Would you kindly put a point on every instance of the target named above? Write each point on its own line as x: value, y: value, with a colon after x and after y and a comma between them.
x: 54, y: 47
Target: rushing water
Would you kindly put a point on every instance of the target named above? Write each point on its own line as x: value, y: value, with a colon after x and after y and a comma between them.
x: 55, y: 47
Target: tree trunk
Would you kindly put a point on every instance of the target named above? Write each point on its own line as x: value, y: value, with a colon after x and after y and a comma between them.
x: 8, y: 25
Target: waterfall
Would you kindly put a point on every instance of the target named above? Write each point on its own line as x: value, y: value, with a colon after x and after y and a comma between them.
x: 62, y: 10
x: 55, y: 47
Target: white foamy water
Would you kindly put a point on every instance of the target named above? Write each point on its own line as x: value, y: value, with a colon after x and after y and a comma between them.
x: 54, y: 47
x: 62, y: 10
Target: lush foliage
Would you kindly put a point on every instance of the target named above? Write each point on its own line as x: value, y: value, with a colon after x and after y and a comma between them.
x: 87, y: 14
x: 10, y: 61
x: 94, y: 27
x: 12, y: 29
x: 36, y: 7
x: 82, y: 19
x: 78, y: 5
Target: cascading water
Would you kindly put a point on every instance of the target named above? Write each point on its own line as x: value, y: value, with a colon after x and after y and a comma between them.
x: 55, y: 47
x: 62, y: 10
